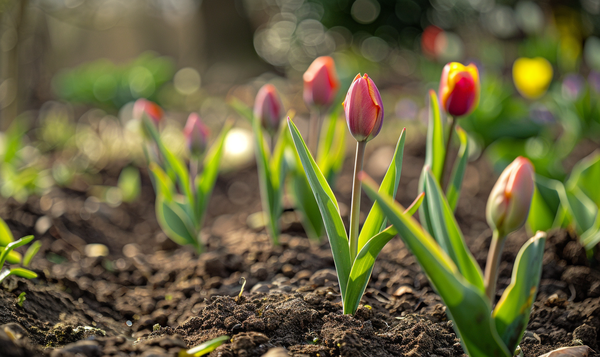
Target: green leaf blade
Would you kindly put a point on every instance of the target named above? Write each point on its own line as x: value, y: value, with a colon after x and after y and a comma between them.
x: 375, y: 221
x: 512, y: 311
x: 31, y: 252
x: 13, y: 245
x: 458, y: 171
x: 175, y: 222
x: 328, y: 206
x: 204, y: 348
x: 448, y: 234
x: 467, y: 306
x: 205, y: 182
x: 6, y: 236
x: 271, y: 203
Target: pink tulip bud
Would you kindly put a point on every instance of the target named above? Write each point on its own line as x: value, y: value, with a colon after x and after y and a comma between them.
x: 459, y: 89
x: 268, y: 108
x: 151, y: 109
x: 320, y: 82
x: 363, y: 108
x: 510, y: 199
x: 196, y: 135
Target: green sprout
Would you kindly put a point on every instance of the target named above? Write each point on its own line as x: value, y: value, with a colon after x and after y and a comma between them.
x: 204, y: 348
x: 21, y: 299
x: 7, y: 254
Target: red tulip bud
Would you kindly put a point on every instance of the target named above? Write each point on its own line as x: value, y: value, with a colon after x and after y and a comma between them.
x: 363, y: 108
x: 151, y: 109
x: 459, y: 88
x: 320, y: 82
x: 196, y: 135
x: 510, y: 199
x: 268, y: 108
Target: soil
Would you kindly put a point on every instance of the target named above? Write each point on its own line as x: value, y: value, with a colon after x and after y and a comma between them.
x: 150, y: 297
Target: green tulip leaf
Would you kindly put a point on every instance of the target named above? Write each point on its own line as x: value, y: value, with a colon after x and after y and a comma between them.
x: 307, y: 205
x: 332, y: 146
x: 175, y: 222
x: 205, y: 182
x: 334, y: 226
x: 466, y: 305
x: 241, y: 108
x: 448, y: 235
x: 270, y: 195
x: 375, y: 221
x: 130, y: 183
x: 434, y: 154
x: 585, y: 176
x: 363, y: 264
x: 458, y: 171
x: 511, y: 314
x: 542, y: 214
x: 163, y: 183
x: 172, y: 162
x: 435, y: 150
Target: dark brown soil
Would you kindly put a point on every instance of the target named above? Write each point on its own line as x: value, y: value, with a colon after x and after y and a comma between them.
x: 149, y: 297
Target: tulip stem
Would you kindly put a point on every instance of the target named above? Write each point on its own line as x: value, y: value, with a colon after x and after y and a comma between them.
x: 492, y: 264
x: 452, y: 125
x: 355, y: 205
x: 313, y: 135
x: 193, y: 172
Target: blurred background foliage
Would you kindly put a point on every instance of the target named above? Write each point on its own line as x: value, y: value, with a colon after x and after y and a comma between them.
x: 73, y: 67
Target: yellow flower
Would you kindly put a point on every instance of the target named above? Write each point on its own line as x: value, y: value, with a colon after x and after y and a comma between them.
x: 532, y: 76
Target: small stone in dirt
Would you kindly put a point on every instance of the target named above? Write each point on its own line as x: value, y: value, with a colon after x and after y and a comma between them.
x: 259, y: 271
x: 575, y: 253
x: 323, y: 276
x: 15, y: 329
x: 403, y: 290
x: 587, y: 335
x: 277, y: 352
x: 247, y: 341
x: 85, y: 348
x: 96, y: 250
x: 555, y: 300
x: 303, y: 274
x: 213, y: 265
x: 260, y: 288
